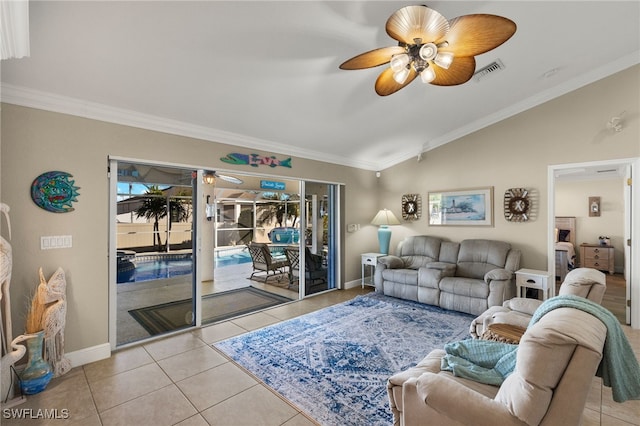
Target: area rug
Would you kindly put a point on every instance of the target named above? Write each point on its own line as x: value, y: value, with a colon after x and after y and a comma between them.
x: 334, y: 363
x: 215, y: 307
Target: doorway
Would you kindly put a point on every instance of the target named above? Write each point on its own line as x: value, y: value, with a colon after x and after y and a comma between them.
x: 153, y: 223
x: 296, y: 220
x: 179, y: 245
x: 570, y: 186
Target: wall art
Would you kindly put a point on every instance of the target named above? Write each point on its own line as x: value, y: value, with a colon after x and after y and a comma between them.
x: 594, y: 206
x: 54, y: 191
x: 466, y: 207
x: 255, y: 160
x: 517, y: 205
x: 411, y: 206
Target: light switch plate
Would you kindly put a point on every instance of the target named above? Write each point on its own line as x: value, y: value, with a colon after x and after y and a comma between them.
x: 55, y: 242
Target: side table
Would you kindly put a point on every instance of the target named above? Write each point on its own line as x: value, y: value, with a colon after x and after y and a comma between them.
x: 369, y: 259
x: 531, y: 278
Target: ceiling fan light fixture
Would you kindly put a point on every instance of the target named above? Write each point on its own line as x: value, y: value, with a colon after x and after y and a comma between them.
x: 443, y: 59
x: 428, y: 51
x: 399, y: 62
x: 420, y: 33
x: 401, y: 76
x: 427, y: 75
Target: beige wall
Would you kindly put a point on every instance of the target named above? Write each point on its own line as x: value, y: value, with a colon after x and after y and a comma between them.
x: 516, y: 152
x: 35, y: 141
x: 572, y: 200
x: 511, y: 153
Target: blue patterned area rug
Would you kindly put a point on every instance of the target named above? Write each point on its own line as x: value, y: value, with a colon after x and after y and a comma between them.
x: 334, y: 363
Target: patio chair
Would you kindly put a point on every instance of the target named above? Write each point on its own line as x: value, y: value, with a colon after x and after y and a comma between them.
x: 264, y: 261
x: 314, y: 271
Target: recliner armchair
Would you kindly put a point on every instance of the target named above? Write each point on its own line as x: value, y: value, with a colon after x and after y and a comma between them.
x: 584, y: 282
x: 556, y: 362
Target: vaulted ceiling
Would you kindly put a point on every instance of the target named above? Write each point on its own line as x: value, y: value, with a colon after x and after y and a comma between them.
x: 264, y: 75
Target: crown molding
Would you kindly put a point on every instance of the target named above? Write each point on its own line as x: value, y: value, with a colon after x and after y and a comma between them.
x: 31, y: 98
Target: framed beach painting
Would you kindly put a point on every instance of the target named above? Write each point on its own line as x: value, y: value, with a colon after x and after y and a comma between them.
x: 467, y: 207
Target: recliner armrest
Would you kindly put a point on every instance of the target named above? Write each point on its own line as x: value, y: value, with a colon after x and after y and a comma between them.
x: 391, y: 262
x: 523, y: 304
x: 445, y: 395
x: 498, y: 274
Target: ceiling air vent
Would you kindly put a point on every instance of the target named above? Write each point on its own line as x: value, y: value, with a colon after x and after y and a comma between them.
x: 490, y: 69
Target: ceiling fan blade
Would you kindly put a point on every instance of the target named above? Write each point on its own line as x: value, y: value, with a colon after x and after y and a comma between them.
x: 230, y: 179
x: 412, y: 22
x: 372, y: 58
x: 460, y: 71
x: 386, y: 85
x: 471, y: 35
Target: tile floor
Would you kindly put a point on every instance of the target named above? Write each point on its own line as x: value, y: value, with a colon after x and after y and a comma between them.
x: 183, y: 380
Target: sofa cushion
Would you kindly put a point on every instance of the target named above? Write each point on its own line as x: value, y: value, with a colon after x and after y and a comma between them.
x: 477, y: 257
x: 419, y: 250
x: 416, y: 262
x: 402, y: 276
x: 464, y: 286
x: 449, y: 252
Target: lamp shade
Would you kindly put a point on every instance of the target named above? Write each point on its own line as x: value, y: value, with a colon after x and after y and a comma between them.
x: 383, y: 219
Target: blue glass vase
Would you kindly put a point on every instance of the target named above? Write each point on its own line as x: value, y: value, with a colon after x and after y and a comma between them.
x: 37, y: 374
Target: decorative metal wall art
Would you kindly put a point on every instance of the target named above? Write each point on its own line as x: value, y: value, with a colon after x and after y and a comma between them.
x: 517, y: 205
x: 411, y: 206
x: 54, y: 192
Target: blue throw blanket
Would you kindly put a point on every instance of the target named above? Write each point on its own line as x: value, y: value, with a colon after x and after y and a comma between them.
x: 483, y: 361
x: 619, y: 367
x: 491, y: 362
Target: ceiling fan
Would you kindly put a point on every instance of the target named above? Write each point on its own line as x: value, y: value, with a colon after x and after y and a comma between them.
x: 210, y: 177
x: 441, y: 52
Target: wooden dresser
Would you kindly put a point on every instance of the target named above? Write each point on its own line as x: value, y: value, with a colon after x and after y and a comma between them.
x: 597, y: 257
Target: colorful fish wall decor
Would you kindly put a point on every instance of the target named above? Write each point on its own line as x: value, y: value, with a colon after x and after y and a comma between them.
x: 54, y: 192
x: 255, y: 160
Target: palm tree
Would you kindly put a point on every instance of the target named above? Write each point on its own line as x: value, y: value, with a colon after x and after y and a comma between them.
x: 281, y: 211
x: 154, y: 207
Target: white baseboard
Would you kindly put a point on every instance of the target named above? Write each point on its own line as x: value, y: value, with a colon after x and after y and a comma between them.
x: 353, y: 284
x: 89, y: 355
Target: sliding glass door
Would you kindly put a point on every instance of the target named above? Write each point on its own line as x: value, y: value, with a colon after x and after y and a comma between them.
x: 154, y: 273
x: 178, y: 241
x: 320, y: 258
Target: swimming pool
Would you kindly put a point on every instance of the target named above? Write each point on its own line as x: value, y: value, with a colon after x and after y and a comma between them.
x: 161, y: 267
x: 232, y: 258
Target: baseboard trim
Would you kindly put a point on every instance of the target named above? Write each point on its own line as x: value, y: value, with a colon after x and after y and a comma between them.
x: 353, y: 284
x: 89, y: 355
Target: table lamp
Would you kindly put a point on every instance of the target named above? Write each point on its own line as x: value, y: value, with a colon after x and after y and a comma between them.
x: 383, y: 219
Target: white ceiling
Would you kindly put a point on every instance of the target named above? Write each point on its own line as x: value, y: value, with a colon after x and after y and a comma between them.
x: 265, y: 75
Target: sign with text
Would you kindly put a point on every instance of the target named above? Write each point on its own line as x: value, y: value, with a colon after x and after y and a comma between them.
x: 270, y: 184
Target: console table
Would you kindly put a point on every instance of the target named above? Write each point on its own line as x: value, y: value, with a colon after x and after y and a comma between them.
x: 598, y: 257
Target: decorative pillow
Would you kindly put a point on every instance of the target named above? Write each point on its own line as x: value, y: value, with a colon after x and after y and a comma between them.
x: 563, y: 235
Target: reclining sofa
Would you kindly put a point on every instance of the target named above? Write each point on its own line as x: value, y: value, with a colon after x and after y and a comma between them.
x: 469, y: 276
